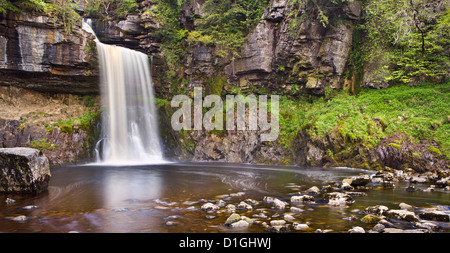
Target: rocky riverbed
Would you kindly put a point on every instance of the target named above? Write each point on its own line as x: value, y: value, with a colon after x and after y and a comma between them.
x: 285, y: 215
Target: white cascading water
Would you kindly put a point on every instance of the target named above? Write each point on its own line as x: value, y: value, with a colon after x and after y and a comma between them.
x: 130, y: 127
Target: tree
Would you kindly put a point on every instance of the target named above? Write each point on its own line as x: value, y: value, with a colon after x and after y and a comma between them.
x: 413, y: 35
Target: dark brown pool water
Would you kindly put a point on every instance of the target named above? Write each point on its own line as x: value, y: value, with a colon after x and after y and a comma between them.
x: 168, y: 197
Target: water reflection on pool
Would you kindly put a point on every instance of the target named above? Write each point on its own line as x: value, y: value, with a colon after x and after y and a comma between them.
x: 168, y: 197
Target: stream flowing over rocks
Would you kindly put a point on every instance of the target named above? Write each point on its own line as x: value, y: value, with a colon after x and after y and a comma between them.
x: 277, y: 215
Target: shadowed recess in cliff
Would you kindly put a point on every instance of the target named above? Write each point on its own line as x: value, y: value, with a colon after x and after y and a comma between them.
x: 130, y: 130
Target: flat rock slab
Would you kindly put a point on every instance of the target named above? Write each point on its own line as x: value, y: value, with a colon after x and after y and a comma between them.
x: 23, y: 170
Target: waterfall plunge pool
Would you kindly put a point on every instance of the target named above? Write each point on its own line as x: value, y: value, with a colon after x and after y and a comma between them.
x: 168, y: 198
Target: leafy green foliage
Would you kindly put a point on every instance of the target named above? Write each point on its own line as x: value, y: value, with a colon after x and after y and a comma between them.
x: 61, y: 10
x: 412, y: 35
x: 173, y: 35
x: 22, y: 5
x: 225, y: 25
x: 321, y: 10
x: 227, y: 22
x: 7, y: 6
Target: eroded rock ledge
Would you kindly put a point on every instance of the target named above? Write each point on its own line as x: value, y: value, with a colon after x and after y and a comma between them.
x: 36, y: 53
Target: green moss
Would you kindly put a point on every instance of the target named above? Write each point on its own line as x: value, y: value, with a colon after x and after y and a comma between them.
x: 42, y: 144
x: 395, y: 145
x: 83, y: 122
x: 434, y: 150
x: 216, y: 85
x: 371, y: 219
x: 416, y: 154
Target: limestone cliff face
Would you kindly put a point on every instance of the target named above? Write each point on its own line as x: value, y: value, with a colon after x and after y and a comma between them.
x: 36, y: 53
x: 136, y: 31
x: 275, y: 55
x: 311, y: 55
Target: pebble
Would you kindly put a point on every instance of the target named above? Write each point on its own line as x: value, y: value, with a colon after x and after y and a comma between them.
x: 358, y: 230
x: 260, y: 215
x: 379, y: 228
x: 243, y: 205
x: 277, y: 229
x: 313, y: 190
x: 288, y: 216
x: 277, y: 222
x: 230, y: 208
x: 278, y: 204
x: 298, y: 226
x: 296, y: 209
x: 238, y: 194
x: 209, y: 207
x: 171, y: 223
x: 338, y: 199
x: 162, y: 207
x: 9, y: 201
x: 240, y: 224
x: 405, y: 206
x: 386, y: 223
x: 429, y: 189
x: 347, y: 187
x: 268, y: 200
x: 19, y: 218
x: 302, y: 198
x: 320, y: 231
x: 378, y: 209
x: 350, y: 218
x: 402, y: 215
x: 252, y: 202
x: 427, y: 225
x: 30, y: 207
x: 172, y: 217
x: 189, y: 203
x: 232, y: 219
x: 220, y: 203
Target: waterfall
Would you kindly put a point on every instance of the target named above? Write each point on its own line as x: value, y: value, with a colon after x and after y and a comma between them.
x: 130, y: 126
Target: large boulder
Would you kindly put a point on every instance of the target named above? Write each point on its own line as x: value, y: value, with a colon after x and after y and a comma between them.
x: 23, y: 170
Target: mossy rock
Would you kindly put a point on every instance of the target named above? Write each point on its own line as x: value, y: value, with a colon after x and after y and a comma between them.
x: 371, y: 219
